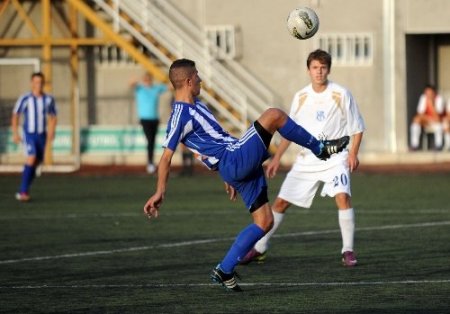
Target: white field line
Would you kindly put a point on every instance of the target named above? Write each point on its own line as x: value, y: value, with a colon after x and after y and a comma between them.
x: 295, y: 211
x: 388, y: 227
x: 249, y: 284
x: 214, y: 240
x: 106, y: 252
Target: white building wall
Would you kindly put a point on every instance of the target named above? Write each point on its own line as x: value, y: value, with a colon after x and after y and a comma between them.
x: 277, y: 59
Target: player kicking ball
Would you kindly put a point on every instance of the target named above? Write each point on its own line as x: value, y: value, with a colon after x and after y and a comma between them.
x: 322, y: 107
x: 239, y: 161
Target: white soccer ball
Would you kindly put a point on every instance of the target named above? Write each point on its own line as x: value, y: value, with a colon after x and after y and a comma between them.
x: 302, y: 23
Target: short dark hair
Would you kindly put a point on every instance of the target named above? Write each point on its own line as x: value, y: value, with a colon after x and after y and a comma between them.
x: 320, y: 55
x: 38, y: 74
x: 180, y: 70
x: 430, y: 86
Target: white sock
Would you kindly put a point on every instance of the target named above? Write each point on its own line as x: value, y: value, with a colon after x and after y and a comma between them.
x: 438, y: 135
x: 347, y: 225
x: 415, y: 131
x: 263, y: 244
x: 447, y: 140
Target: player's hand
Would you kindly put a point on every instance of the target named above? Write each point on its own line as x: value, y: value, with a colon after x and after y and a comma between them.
x: 151, y: 208
x: 17, y: 139
x: 272, y: 168
x: 231, y: 191
x: 353, y: 162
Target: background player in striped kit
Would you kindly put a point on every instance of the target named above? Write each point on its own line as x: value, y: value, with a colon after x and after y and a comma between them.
x: 39, y: 124
x: 239, y: 161
x: 328, y: 109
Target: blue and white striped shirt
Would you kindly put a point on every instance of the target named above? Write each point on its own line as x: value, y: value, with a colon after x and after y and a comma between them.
x: 197, y: 128
x: 35, y: 111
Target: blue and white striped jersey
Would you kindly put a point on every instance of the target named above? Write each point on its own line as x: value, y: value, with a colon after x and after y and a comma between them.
x: 35, y: 111
x: 197, y: 128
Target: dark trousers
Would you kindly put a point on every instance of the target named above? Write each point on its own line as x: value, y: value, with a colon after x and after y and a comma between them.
x: 150, y: 128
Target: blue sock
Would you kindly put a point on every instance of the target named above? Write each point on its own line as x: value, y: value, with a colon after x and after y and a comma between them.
x: 243, y: 243
x: 27, y: 178
x: 297, y: 134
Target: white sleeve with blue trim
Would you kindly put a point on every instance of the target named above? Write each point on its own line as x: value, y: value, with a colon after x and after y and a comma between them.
x: 180, y: 124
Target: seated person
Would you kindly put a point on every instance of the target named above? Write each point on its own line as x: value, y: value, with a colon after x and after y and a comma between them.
x: 429, y: 115
x: 446, y: 125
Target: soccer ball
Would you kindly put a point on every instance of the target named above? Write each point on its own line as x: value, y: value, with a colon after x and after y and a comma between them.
x: 302, y: 23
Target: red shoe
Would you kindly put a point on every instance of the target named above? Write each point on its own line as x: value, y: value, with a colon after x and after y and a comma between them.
x: 349, y: 259
x: 253, y: 256
x: 23, y: 197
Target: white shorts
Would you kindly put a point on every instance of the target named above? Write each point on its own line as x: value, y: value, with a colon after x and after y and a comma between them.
x: 299, y: 188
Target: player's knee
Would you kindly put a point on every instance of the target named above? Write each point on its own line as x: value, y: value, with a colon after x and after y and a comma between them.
x: 280, y: 205
x: 267, y: 223
x: 262, y: 215
x: 343, y: 200
x: 276, y: 114
x: 263, y: 219
x: 32, y: 161
x: 272, y: 119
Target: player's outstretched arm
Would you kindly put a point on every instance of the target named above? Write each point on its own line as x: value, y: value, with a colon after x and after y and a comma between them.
x: 274, y: 164
x: 151, y: 208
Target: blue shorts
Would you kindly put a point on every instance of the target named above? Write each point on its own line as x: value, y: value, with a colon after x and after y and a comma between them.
x: 35, y: 145
x: 241, y: 166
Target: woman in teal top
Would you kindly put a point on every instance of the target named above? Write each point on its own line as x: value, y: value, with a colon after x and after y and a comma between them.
x: 147, y: 102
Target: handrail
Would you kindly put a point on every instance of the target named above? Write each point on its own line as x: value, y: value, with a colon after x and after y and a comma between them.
x: 187, y: 24
x: 182, y: 38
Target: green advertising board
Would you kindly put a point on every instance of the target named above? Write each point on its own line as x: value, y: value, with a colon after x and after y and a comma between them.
x: 94, y: 139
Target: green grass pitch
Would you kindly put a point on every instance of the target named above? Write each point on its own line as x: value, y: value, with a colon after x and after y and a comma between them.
x: 83, y: 246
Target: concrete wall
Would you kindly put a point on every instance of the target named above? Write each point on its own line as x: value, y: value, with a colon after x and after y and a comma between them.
x: 424, y: 16
x: 277, y: 59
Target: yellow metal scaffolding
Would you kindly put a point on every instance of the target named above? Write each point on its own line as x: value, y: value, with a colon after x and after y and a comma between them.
x: 67, y: 24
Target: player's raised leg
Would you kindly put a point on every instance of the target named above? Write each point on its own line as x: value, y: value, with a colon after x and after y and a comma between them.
x: 274, y: 119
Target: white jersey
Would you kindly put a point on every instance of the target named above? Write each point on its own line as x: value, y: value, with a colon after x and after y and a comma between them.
x: 438, y: 105
x: 330, y: 114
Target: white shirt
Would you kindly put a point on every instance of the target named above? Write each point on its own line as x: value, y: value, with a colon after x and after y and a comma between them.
x: 438, y: 104
x: 330, y: 114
